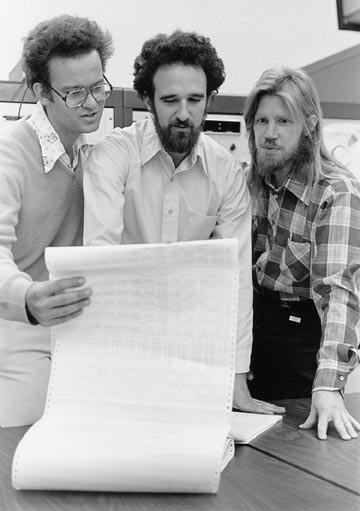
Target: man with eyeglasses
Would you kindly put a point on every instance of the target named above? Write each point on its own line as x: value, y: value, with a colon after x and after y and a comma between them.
x: 41, y: 202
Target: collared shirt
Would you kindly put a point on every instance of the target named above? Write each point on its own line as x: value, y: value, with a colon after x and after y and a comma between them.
x: 306, y: 245
x: 37, y: 210
x: 52, y: 148
x: 134, y: 194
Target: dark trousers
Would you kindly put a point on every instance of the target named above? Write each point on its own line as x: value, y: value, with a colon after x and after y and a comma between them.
x: 286, y: 338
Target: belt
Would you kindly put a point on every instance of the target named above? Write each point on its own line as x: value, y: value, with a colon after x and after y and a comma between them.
x: 273, y: 299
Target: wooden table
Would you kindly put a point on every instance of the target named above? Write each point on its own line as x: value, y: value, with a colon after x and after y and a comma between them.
x: 284, y: 469
x: 333, y: 461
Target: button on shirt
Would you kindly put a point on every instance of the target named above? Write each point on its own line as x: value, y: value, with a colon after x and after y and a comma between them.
x: 306, y: 245
x: 134, y: 194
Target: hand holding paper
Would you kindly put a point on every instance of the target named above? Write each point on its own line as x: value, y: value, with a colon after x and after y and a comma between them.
x: 140, y: 393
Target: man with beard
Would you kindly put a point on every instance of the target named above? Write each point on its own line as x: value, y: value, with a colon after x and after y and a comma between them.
x: 162, y: 180
x: 306, y: 253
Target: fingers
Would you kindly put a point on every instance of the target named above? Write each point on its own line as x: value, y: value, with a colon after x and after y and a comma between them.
x: 341, y: 429
x: 279, y: 409
x: 244, y: 402
x: 52, y: 287
x: 310, y: 421
x: 252, y: 405
x: 354, y: 422
x: 322, y: 427
x: 321, y: 422
x: 61, y: 286
x: 54, y: 302
x: 267, y: 408
x: 344, y: 424
x: 60, y: 314
x: 62, y: 319
x: 67, y: 298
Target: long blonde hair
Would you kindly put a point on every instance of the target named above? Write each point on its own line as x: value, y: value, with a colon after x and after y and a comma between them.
x: 299, y: 94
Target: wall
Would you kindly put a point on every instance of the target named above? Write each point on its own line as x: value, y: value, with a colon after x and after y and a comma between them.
x: 250, y: 35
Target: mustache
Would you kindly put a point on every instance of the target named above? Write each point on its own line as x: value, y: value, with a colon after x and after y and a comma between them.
x: 269, y: 142
x: 181, y: 124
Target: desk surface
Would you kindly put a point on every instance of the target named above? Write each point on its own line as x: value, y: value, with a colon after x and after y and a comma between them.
x: 285, y: 469
x: 333, y: 460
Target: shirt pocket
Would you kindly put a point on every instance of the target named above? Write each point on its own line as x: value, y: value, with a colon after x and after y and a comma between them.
x: 295, y: 261
x: 198, y: 227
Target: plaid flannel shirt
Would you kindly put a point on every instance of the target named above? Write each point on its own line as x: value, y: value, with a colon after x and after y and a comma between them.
x: 307, y: 246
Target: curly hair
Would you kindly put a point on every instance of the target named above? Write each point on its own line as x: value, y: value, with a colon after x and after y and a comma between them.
x: 64, y: 36
x: 189, y: 48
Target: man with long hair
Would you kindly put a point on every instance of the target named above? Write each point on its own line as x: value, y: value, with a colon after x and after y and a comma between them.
x: 306, y: 253
x: 162, y: 180
x: 41, y: 202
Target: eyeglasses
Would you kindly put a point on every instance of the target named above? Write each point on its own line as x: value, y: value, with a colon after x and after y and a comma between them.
x: 77, y: 97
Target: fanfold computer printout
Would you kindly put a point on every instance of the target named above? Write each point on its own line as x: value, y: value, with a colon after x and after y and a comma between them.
x: 140, y: 392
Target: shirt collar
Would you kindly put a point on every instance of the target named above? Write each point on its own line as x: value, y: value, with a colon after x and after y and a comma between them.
x: 198, y: 153
x: 151, y: 146
x: 296, y: 186
x: 301, y: 190
x: 51, y: 146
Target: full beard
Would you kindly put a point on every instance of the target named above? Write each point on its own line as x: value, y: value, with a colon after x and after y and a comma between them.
x: 300, y: 161
x: 176, y: 141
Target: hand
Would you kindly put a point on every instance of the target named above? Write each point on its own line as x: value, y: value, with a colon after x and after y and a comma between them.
x: 245, y: 403
x: 327, y: 406
x: 56, y: 301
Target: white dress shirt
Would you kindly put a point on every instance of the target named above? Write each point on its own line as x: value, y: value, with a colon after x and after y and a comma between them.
x: 134, y: 194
